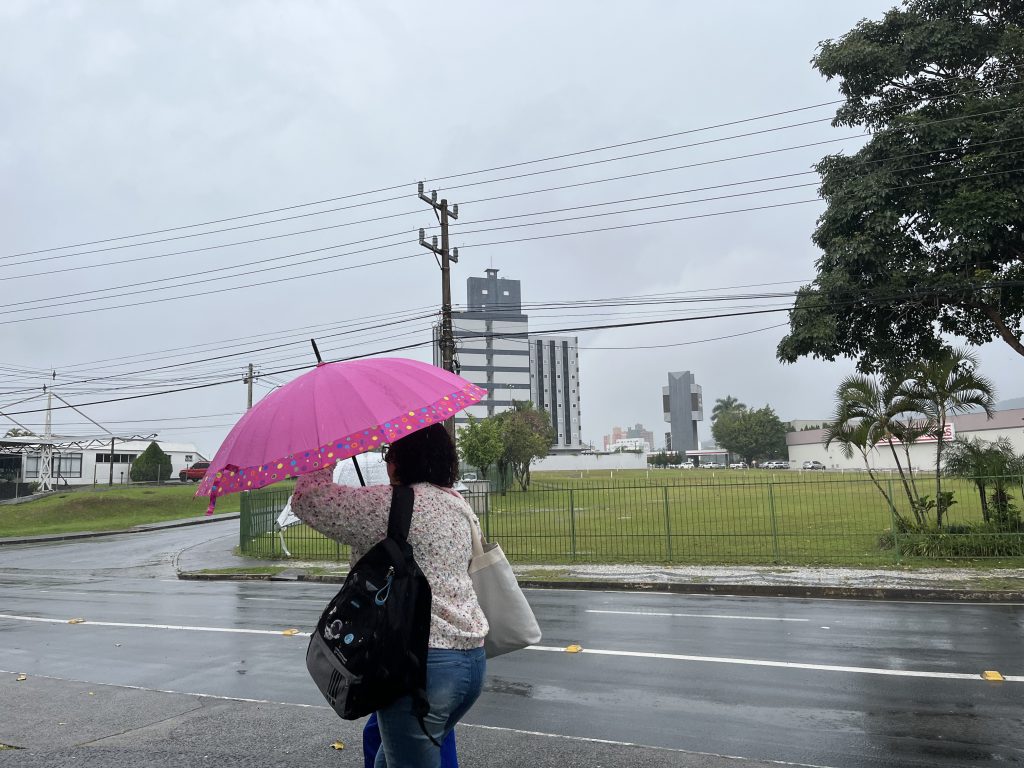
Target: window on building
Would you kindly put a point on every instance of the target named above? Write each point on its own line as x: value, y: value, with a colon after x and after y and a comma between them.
x: 31, y: 465
x: 484, y: 291
x: 68, y: 465
x: 119, y: 458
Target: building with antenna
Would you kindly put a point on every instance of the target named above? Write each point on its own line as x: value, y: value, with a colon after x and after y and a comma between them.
x: 491, y: 344
x: 496, y: 352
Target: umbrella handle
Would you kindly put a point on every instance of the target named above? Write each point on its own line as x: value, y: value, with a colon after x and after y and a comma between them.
x: 359, y: 473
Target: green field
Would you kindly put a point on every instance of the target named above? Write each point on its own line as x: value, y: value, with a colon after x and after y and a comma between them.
x: 677, y: 516
x: 105, y: 510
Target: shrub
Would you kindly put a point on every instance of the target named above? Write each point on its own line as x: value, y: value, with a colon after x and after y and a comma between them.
x: 958, y: 541
x: 152, y: 464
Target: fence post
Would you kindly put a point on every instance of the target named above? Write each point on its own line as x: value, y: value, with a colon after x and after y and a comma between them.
x: 572, y: 525
x: 775, y: 532
x: 487, y: 512
x: 892, y: 521
x: 243, y: 521
x: 668, y: 523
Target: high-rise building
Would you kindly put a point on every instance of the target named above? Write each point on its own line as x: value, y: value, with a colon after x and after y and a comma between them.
x: 683, y: 406
x: 555, y: 387
x: 491, y: 344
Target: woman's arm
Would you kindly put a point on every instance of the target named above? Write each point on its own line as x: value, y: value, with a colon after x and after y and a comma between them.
x: 354, y: 515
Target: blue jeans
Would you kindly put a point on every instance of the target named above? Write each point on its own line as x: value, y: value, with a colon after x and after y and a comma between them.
x: 454, y: 682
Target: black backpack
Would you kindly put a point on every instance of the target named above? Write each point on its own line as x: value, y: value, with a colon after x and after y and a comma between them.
x: 370, y: 644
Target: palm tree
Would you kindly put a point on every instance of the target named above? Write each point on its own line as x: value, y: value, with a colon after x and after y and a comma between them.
x: 983, y: 462
x: 727, y: 404
x: 856, y: 435
x: 869, y: 410
x: 946, y: 386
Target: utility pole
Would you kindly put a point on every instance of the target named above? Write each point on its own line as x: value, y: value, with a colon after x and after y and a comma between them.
x: 248, y: 380
x: 446, y: 340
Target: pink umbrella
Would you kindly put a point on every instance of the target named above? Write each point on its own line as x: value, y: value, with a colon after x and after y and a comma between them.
x: 335, y: 411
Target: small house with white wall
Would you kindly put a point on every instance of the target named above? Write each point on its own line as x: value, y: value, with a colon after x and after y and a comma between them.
x: 88, y: 461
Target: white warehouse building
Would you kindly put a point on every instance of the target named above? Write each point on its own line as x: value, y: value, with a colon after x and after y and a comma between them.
x: 809, y: 445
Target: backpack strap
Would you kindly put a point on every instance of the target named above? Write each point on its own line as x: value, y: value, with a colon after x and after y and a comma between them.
x: 400, y: 516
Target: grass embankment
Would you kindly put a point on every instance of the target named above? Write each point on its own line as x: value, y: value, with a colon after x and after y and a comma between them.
x: 106, y: 509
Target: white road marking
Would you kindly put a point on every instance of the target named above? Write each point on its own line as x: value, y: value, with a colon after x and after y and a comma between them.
x: 318, y: 601
x: 462, y: 724
x: 733, y: 596
x: 590, y: 740
x: 780, y: 664
x: 89, y: 622
x: 560, y: 649
x: 696, y: 615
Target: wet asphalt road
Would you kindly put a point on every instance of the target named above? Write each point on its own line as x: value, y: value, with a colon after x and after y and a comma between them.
x: 811, y: 682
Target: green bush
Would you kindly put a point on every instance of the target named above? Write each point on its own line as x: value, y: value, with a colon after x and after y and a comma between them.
x: 959, y: 541
x: 151, y: 465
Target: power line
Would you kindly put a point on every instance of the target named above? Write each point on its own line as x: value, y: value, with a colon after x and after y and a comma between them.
x: 745, y: 313
x: 469, y: 245
x: 433, y: 180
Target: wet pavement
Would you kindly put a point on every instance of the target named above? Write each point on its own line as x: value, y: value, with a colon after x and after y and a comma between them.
x: 165, y: 671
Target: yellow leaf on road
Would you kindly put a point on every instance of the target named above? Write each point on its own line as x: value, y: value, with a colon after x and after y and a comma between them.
x: 22, y: 678
x: 290, y: 632
x: 76, y: 621
x: 574, y: 648
x: 337, y: 745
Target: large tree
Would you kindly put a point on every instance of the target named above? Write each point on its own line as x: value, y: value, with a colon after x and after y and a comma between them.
x: 923, y: 234
x: 752, y: 434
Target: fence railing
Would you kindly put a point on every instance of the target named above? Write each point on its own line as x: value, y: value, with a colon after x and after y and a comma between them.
x: 838, y: 519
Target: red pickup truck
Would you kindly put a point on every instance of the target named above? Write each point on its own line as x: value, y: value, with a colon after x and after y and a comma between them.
x: 195, y: 473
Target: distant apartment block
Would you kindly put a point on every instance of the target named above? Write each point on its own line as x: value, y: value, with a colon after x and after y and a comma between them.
x: 683, y: 406
x: 555, y: 387
x: 636, y: 432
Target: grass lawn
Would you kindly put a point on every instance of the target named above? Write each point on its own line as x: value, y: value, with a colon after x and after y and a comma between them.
x: 695, y: 516
x: 105, y: 510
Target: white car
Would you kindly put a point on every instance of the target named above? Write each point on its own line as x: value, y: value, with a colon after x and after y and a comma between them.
x: 813, y: 465
x: 738, y: 465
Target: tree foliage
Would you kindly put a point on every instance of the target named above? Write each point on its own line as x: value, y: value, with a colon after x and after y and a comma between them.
x: 752, y: 434
x: 922, y: 235
x: 989, y: 464
x: 945, y: 386
x: 480, y: 443
x: 727, y: 404
x: 152, y: 464
x: 527, y: 435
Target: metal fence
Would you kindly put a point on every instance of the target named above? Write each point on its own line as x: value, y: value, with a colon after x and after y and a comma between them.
x: 806, y: 519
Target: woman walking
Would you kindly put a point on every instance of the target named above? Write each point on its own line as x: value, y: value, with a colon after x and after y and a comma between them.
x: 441, y: 541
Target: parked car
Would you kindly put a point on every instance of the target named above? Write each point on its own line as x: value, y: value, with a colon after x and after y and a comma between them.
x: 813, y: 465
x: 469, y: 477
x: 195, y: 473
x: 738, y: 465
x: 775, y: 464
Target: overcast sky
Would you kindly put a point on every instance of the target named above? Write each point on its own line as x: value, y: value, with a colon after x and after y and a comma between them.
x: 129, y: 117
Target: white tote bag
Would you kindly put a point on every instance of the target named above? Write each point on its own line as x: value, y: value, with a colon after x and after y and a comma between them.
x: 512, y: 623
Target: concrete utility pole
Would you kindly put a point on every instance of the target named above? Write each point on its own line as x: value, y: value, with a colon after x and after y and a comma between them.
x: 446, y: 341
x: 248, y: 380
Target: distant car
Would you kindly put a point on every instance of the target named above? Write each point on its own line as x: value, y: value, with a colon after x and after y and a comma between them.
x: 813, y: 465
x: 775, y: 464
x: 738, y: 465
x: 469, y: 477
x: 195, y: 473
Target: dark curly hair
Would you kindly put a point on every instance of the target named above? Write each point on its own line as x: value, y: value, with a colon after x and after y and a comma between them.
x: 425, y: 456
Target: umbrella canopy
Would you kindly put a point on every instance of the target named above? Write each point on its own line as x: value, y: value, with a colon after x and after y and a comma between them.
x: 335, y: 411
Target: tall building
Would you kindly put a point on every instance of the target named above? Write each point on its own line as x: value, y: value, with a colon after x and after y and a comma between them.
x: 683, y: 406
x: 555, y: 387
x: 491, y: 344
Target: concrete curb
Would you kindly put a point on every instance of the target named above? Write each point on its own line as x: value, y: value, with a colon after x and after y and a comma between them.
x: 135, y: 529
x: 740, y: 590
